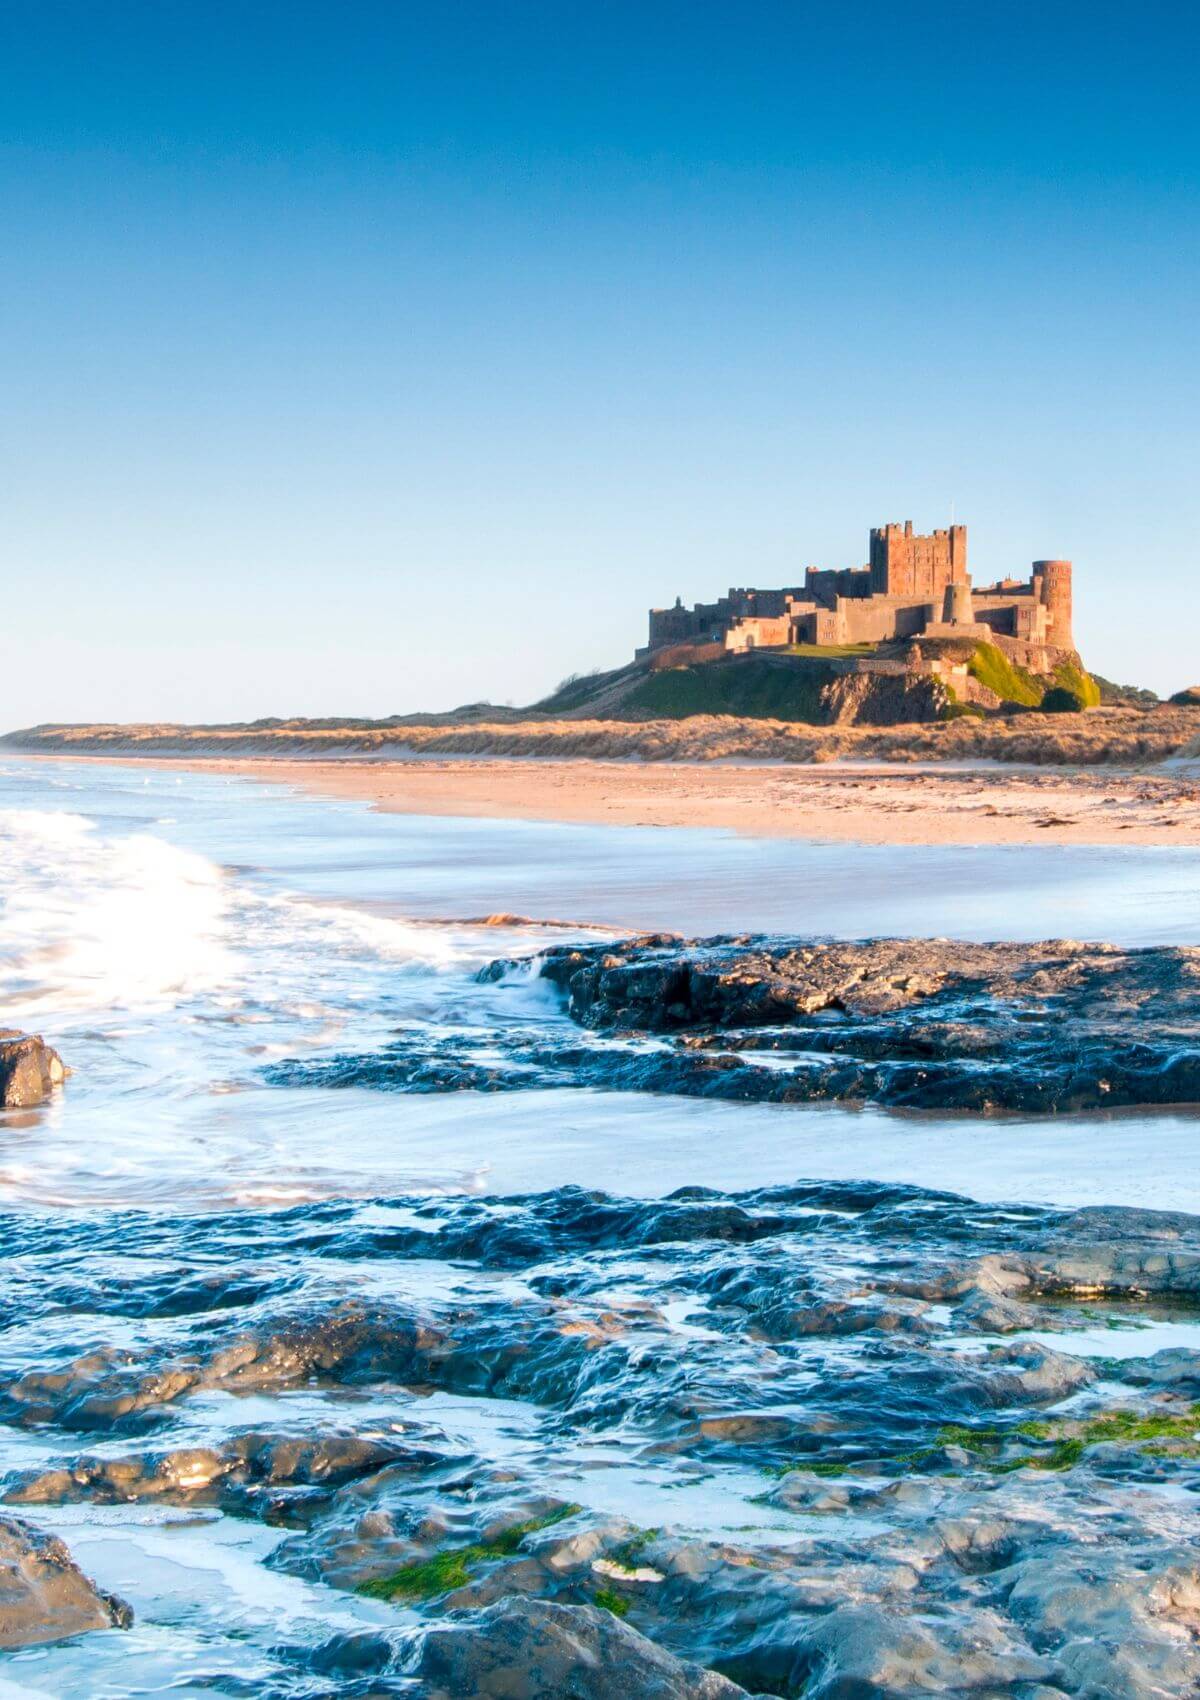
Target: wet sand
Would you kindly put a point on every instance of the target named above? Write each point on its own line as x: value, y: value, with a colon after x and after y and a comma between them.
x: 867, y: 804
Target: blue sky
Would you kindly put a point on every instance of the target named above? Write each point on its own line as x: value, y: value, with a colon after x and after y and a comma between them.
x: 359, y: 358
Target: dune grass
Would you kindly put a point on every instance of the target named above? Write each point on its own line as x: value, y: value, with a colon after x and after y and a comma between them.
x: 1125, y: 736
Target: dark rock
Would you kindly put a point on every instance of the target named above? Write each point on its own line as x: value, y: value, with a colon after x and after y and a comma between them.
x: 1120, y: 1622
x: 1175, y: 1369
x: 858, y: 1652
x: 279, y: 1475
x: 360, y: 1653
x: 29, y: 1070
x: 522, y: 1649
x: 44, y: 1596
x: 923, y: 1512
x: 995, y: 1313
x: 348, y: 1343
x: 916, y: 1023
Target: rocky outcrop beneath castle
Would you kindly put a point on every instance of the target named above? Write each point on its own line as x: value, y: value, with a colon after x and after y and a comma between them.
x: 1045, y: 1028
x: 29, y: 1070
x: 877, y: 689
x: 921, y: 680
x: 860, y: 698
x: 44, y: 1596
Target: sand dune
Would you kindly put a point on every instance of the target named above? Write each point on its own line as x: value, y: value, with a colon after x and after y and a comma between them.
x: 1117, y: 736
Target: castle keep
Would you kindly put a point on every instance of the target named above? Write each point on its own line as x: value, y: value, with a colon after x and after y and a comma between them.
x: 913, y: 587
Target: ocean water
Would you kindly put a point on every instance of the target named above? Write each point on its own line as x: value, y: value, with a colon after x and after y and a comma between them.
x: 177, y: 935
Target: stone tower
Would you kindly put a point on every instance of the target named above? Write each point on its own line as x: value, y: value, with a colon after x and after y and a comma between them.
x: 957, y: 606
x: 1053, y: 582
x: 907, y: 564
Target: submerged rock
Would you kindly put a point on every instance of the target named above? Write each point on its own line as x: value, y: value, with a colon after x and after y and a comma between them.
x: 916, y: 1023
x: 29, y: 1070
x: 281, y: 1476
x: 523, y: 1649
x: 1121, y: 1623
x: 860, y: 1652
x: 44, y: 1596
x: 1048, y: 1028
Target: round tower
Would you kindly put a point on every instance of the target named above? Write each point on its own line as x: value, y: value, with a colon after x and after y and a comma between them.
x: 1055, y: 578
x: 957, y: 606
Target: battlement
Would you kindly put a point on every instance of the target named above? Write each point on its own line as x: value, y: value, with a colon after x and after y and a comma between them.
x: 904, y: 563
x: 913, y: 585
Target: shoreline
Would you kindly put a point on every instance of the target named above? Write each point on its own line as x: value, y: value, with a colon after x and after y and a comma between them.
x: 914, y: 805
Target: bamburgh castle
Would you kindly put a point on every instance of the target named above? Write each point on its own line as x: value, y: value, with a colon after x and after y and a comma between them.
x: 912, y: 588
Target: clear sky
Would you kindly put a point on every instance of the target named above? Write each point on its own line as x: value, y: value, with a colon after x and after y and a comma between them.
x: 364, y: 357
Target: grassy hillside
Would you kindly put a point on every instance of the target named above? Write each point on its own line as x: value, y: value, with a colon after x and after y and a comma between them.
x: 795, y: 685
x: 1071, y: 677
x: 1011, y: 683
x: 993, y: 669
x: 751, y: 688
x: 579, y: 689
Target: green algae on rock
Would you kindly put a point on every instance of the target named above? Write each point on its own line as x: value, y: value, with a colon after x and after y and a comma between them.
x: 426, y: 1579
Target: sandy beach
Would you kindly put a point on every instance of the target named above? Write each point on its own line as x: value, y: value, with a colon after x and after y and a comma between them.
x: 868, y: 804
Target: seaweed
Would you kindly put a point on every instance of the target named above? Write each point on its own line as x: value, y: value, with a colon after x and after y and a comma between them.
x: 427, y: 1578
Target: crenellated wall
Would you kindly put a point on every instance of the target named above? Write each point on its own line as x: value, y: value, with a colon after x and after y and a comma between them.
x: 907, y: 563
